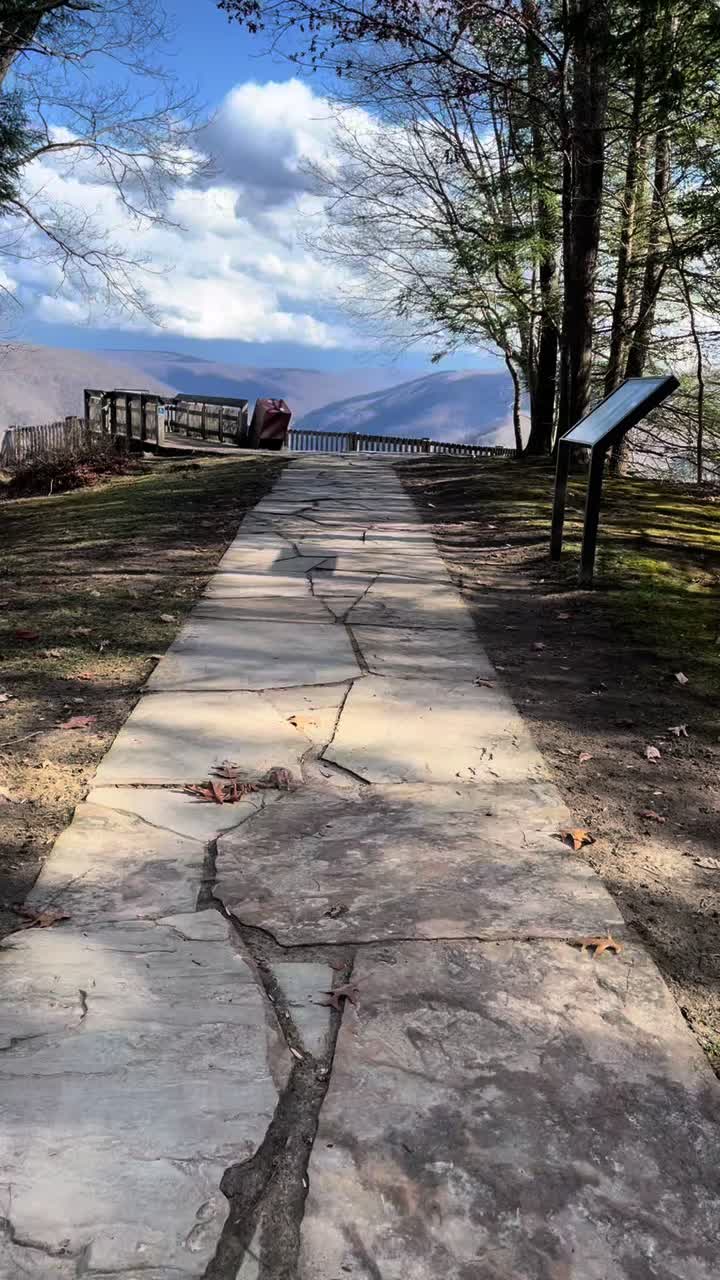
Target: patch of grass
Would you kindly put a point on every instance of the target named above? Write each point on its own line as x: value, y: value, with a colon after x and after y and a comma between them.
x: 658, y: 564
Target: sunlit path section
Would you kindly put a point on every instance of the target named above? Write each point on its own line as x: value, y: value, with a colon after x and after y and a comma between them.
x: 482, y: 1098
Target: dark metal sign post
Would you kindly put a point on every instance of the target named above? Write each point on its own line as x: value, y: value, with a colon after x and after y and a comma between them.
x: 598, y: 432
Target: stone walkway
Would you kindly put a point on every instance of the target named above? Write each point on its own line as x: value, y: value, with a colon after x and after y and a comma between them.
x: 178, y: 1101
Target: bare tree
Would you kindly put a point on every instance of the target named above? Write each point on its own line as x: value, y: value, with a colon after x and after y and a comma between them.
x: 84, y: 85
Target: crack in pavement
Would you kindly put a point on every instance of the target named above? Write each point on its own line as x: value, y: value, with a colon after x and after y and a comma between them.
x: 267, y: 1191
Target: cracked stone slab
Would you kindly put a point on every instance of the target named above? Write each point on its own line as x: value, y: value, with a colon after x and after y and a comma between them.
x: 515, y: 1112
x: 239, y: 609
x: 312, y: 712
x: 303, y: 986
x: 411, y: 862
x: 176, y: 811
x: 178, y: 738
x: 395, y: 730
x: 412, y: 652
x: 112, y: 866
x: 116, y: 1129
x: 215, y: 654
x: 276, y: 559
x: 238, y: 585
x: 403, y: 601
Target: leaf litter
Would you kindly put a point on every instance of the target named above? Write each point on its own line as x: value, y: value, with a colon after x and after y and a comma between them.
x: 234, y: 786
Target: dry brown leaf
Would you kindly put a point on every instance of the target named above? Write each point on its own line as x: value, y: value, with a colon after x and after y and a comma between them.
x: 576, y: 837
x: 681, y: 677
x: 168, y: 617
x: 584, y: 757
x: 228, y: 770
x: 40, y: 919
x: 346, y: 992
x: 599, y: 945
x: 652, y: 753
x: 5, y: 697
x: 78, y: 722
x: 278, y: 778
x: 650, y: 813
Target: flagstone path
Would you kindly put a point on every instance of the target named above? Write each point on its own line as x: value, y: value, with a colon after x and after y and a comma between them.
x: 177, y: 1099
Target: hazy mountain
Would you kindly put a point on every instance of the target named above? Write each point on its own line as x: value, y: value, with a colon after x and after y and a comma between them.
x: 467, y: 406
x: 44, y: 384
x: 303, y: 389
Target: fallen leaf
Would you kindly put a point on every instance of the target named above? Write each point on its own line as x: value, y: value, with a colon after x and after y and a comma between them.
x: 167, y: 617
x: 40, y: 919
x: 52, y: 653
x: 576, y: 837
x: 5, y: 697
x: 85, y: 675
x: 599, y: 945
x: 584, y: 757
x: 652, y: 753
x: 652, y: 815
x: 681, y: 677
x: 78, y: 722
x: 228, y: 770
x: 295, y: 1053
x: 278, y: 778
x: 345, y: 992
x: 680, y: 730
x: 26, y: 633
x: 708, y: 864
x: 563, y: 617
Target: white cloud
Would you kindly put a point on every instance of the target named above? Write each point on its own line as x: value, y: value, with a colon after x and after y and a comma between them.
x: 238, y: 265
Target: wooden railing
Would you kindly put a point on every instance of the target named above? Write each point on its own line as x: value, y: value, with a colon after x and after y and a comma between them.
x: 21, y: 443
x: 307, y: 440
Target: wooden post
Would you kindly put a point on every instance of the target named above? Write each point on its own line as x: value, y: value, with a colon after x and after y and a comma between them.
x: 592, y: 516
x: 203, y: 421
x: 558, y: 513
x: 353, y: 441
x: 427, y: 446
x: 221, y: 415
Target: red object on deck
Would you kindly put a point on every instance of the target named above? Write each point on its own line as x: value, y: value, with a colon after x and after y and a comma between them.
x: 270, y: 424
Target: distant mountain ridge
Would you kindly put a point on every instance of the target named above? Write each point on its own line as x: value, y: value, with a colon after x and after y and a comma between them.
x: 42, y: 384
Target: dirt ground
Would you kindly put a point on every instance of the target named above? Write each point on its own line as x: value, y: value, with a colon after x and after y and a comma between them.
x: 94, y: 585
x: 595, y: 674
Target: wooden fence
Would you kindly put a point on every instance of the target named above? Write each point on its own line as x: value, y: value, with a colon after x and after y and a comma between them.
x: 306, y: 440
x: 19, y: 444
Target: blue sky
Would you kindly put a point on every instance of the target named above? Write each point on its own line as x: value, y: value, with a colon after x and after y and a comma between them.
x: 230, y: 278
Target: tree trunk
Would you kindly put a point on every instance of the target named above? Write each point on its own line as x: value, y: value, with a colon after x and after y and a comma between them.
x: 587, y: 139
x: 633, y: 177
x: 517, y: 395
x: 545, y: 373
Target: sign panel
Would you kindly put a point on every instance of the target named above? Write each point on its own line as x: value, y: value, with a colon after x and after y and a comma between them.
x: 627, y: 401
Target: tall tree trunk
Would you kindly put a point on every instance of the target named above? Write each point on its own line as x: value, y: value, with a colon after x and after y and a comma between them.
x: 517, y: 396
x: 622, y: 304
x: 544, y: 391
x: 591, y: 23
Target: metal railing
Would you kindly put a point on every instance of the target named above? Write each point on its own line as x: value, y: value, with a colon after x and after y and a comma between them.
x: 307, y: 440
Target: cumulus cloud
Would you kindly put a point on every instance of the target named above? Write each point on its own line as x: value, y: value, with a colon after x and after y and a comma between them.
x: 236, y: 265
